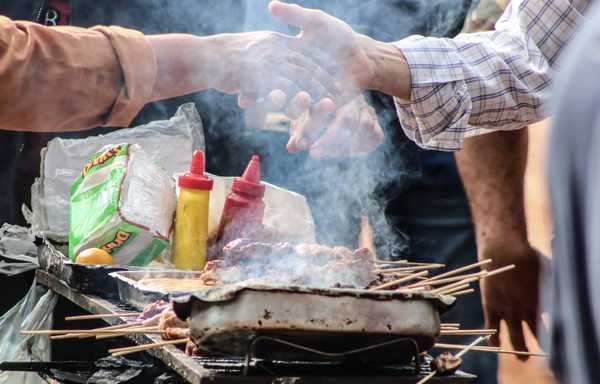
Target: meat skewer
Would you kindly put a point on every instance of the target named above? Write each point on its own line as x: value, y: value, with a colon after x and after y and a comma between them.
x: 464, y: 350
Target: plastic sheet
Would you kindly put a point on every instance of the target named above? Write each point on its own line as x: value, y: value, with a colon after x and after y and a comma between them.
x: 33, y: 312
x: 18, y: 252
x: 169, y: 143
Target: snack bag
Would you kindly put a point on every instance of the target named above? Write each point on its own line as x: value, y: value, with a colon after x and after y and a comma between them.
x: 123, y: 203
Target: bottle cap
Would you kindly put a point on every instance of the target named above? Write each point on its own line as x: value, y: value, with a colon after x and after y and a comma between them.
x: 195, y: 178
x: 250, y: 183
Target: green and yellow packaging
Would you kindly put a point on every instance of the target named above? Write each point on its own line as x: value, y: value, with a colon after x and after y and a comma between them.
x: 123, y: 203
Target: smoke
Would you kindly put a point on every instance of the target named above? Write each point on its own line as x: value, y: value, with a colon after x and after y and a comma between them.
x: 339, y: 190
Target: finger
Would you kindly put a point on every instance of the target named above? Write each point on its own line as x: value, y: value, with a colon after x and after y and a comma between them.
x: 354, y: 132
x: 298, y: 105
x: 369, y: 124
x: 295, y: 127
x: 276, y: 100
x: 331, y: 143
x: 309, y: 132
x: 532, y: 324
x: 516, y: 336
x: 295, y: 15
x: 492, y: 321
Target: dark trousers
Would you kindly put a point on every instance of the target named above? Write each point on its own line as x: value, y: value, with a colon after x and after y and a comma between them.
x: 433, y: 213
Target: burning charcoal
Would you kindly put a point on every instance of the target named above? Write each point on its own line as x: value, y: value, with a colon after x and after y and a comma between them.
x: 446, y: 364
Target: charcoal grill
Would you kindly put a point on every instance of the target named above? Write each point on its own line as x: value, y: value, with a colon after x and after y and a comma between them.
x: 324, y: 367
x: 312, y: 365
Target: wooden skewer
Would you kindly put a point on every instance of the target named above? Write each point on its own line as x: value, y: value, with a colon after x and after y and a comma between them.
x: 136, y: 324
x: 422, y: 264
x: 85, y: 335
x: 468, y: 332
x: 409, y: 269
x: 139, y: 348
x: 402, y: 290
x: 456, y: 289
x: 459, y: 270
x: 463, y: 292
x: 500, y: 270
x: 472, y: 345
x: 449, y: 328
x: 450, y: 325
x: 447, y: 280
x: 460, y: 354
x: 396, y: 282
x: 449, y: 287
x: 379, y: 261
x: 491, y: 349
x: 90, y: 331
x: 112, y: 335
x: 102, y: 316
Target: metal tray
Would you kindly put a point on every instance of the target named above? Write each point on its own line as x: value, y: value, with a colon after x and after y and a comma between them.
x: 228, y: 319
x: 130, y: 291
x: 88, y: 279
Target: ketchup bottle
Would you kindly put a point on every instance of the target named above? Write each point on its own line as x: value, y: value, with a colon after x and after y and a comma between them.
x: 244, y: 208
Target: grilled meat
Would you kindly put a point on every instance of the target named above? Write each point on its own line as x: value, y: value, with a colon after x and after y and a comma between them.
x: 284, y: 263
x: 446, y: 364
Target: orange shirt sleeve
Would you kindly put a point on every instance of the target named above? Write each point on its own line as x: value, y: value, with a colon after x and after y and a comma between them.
x: 56, y: 79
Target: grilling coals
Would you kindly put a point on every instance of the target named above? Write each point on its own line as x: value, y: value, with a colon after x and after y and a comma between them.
x: 313, y: 265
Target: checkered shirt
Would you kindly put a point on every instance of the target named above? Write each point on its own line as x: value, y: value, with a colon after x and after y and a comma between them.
x: 482, y: 82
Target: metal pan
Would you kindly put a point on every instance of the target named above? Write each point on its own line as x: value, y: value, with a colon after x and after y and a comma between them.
x: 133, y: 293
x: 226, y: 320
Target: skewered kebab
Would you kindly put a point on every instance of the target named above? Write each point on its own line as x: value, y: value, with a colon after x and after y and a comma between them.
x: 285, y: 263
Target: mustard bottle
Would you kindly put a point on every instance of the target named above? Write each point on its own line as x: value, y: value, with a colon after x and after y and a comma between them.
x: 191, y: 217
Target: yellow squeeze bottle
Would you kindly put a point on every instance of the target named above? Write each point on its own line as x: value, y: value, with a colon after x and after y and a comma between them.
x: 191, y: 217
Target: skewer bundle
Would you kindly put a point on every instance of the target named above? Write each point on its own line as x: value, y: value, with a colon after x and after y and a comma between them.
x: 455, y: 282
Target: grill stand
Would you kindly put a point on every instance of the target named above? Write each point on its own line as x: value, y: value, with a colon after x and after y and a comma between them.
x: 335, y: 356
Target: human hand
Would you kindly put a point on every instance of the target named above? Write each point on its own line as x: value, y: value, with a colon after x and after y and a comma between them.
x: 513, y: 296
x: 355, y: 63
x: 332, y: 44
x: 353, y: 131
x: 269, y: 67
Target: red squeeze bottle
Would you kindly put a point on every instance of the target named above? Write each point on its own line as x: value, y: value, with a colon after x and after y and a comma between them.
x: 244, y: 207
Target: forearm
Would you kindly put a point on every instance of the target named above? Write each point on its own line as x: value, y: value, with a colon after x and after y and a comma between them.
x: 188, y: 63
x: 492, y: 169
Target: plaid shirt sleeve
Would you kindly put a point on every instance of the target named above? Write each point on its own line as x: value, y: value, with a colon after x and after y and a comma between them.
x: 481, y: 82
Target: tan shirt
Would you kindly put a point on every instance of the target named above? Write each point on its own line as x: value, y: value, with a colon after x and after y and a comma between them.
x: 55, y: 79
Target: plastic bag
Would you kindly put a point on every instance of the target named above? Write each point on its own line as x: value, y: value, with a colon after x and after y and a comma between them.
x: 286, y: 212
x: 33, y: 312
x: 18, y: 252
x: 124, y: 203
x: 169, y: 143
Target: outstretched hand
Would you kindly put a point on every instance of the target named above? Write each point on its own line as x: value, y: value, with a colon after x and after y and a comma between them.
x: 354, y: 130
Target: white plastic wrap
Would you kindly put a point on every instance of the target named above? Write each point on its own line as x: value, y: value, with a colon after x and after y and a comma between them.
x: 148, y: 197
x: 33, y: 312
x: 169, y: 143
